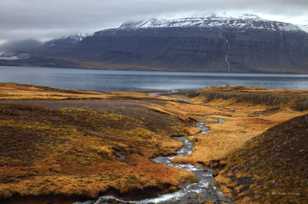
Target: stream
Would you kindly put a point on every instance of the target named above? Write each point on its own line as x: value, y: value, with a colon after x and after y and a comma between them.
x: 200, y: 192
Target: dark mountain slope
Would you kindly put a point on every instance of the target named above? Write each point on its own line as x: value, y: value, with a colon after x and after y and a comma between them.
x: 200, y: 49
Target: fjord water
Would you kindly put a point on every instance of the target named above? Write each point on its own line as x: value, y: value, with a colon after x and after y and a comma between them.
x: 108, y: 80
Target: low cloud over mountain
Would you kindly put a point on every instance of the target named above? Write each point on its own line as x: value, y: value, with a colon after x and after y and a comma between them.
x: 38, y: 19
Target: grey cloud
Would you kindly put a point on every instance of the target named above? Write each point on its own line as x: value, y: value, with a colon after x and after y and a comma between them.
x: 46, y: 19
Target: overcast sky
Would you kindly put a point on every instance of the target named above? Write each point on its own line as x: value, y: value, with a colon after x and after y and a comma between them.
x: 45, y: 19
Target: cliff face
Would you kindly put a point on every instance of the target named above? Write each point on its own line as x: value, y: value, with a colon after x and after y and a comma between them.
x: 202, y: 49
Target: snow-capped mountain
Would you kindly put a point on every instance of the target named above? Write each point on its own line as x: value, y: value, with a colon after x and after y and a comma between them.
x: 244, y: 22
x: 212, y: 44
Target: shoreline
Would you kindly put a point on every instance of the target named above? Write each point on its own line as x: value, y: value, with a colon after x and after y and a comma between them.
x: 147, y: 69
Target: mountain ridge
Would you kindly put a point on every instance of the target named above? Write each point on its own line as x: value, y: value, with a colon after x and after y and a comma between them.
x: 250, y: 22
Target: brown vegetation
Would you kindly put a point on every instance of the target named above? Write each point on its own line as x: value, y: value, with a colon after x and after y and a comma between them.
x: 296, y: 99
x: 268, y: 171
x: 271, y: 168
x: 82, y: 147
x: 47, y: 148
x: 259, y: 151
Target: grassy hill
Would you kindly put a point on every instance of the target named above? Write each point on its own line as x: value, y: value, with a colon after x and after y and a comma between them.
x: 271, y: 168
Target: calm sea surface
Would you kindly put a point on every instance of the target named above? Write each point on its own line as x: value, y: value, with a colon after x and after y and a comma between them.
x: 103, y: 80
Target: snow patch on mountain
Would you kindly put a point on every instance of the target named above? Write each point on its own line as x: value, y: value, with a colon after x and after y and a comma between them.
x: 77, y: 37
x: 70, y: 39
x: 304, y: 27
x: 246, y: 21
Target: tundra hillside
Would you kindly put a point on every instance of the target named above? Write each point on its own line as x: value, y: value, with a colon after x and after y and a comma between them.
x: 62, y: 146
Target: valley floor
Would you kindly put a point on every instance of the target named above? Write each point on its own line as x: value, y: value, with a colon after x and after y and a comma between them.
x: 61, y: 146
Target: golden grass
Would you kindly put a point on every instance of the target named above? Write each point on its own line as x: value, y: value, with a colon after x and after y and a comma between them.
x: 17, y: 92
x: 296, y: 99
x: 270, y: 168
x: 80, y: 152
x: 247, y: 114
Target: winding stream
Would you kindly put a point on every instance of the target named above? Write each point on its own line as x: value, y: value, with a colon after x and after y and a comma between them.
x: 194, y: 193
